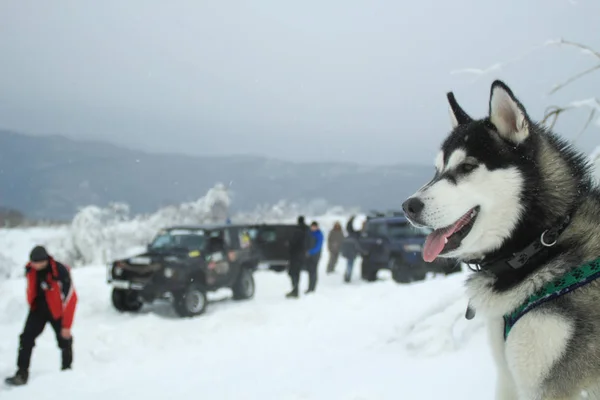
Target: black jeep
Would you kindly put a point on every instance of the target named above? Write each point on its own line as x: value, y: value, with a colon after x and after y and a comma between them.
x: 183, y: 263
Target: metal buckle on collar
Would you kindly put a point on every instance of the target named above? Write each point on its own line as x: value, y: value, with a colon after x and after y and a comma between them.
x: 554, y: 233
x: 543, y: 240
x: 473, y: 267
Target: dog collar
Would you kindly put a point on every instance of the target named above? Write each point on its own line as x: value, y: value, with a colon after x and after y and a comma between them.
x: 518, y: 260
x: 534, y: 250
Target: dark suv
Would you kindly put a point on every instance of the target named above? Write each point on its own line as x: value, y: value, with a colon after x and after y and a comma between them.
x: 182, y: 264
x: 271, y: 244
x: 391, y: 242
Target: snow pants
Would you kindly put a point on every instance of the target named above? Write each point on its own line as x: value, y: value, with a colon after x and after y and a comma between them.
x: 34, y: 326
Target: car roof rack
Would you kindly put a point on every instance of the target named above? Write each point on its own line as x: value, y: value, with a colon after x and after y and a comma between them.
x: 395, y: 213
x: 388, y: 213
x: 375, y: 214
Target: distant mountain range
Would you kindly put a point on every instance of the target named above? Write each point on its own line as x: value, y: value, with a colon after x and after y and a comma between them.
x: 52, y: 176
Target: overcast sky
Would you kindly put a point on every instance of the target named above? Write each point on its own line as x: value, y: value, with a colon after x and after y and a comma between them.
x: 300, y: 80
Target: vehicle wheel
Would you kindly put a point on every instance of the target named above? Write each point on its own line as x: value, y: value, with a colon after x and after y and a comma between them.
x: 126, y: 300
x: 367, y: 272
x: 191, y: 302
x: 419, y: 275
x: 400, y: 271
x: 244, y: 285
x: 278, y: 268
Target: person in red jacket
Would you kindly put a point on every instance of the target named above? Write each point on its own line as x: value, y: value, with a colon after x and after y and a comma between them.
x: 52, y: 298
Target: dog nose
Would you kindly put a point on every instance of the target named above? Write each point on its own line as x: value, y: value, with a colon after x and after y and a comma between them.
x: 413, y: 207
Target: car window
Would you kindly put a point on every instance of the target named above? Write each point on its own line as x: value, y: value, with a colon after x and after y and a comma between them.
x: 223, y: 234
x: 404, y: 230
x: 244, y: 237
x: 178, y: 239
x: 375, y: 229
x: 267, y: 235
x: 252, y: 233
x: 216, y: 241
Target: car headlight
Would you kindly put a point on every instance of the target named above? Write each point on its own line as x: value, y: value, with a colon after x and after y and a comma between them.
x: 412, y: 248
x: 140, y: 260
x: 172, y: 259
x: 169, y: 272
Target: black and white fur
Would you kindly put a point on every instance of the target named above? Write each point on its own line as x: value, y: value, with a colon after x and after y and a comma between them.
x: 525, y: 180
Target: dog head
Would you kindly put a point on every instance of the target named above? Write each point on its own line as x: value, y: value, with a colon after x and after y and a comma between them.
x: 475, y: 200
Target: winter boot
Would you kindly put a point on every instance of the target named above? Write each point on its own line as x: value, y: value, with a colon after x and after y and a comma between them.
x: 19, y: 379
x: 67, y: 358
x: 293, y: 294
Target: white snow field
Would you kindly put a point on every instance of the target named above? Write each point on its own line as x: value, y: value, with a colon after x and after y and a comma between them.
x: 366, y: 341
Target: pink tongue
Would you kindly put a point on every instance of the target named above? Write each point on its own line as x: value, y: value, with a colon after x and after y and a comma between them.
x: 435, y: 242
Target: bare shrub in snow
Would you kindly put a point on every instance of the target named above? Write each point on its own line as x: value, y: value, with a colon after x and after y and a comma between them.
x: 62, y: 247
x: 101, y: 234
x: 92, y: 226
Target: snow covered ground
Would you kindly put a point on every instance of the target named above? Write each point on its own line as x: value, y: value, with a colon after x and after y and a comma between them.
x: 363, y: 341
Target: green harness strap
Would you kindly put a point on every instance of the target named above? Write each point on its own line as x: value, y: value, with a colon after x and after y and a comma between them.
x: 580, y: 276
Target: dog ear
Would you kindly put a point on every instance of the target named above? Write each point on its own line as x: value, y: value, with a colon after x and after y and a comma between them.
x: 457, y: 115
x: 508, y: 114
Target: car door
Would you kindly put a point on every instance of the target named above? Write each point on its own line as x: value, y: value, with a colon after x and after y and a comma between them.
x: 375, y: 241
x: 271, y: 244
x: 220, y: 258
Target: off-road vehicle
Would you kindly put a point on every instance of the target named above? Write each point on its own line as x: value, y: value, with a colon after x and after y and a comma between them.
x: 391, y: 242
x: 182, y: 264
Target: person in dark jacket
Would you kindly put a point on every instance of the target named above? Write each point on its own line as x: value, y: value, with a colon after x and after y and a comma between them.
x: 351, y: 248
x: 297, y: 257
x: 334, y: 244
x: 52, y: 298
x: 314, y: 255
x: 350, y: 228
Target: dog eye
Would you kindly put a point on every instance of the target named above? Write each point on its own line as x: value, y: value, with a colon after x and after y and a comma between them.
x: 466, y: 168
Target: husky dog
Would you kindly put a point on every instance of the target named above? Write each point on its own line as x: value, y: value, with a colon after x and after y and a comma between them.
x: 519, y: 203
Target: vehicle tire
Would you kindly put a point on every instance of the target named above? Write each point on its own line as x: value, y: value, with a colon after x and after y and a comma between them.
x: 367, y: 272
x: 244, y: 287
x: 192, y: 301
x: 400, y: 271
x: 419, y: 275
x: 278, y: 268
x: 126, y: 300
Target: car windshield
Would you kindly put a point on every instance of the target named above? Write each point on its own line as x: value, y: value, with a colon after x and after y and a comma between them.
x: 178, y: 239
x: 403, y: 230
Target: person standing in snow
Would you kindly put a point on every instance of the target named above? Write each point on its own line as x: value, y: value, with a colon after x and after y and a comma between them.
x: 351, y: 247
x: 314, y: 255
x: 298, y: 247
x: 334, y: 244
x: 52, y: 298
x: 350, y: 228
